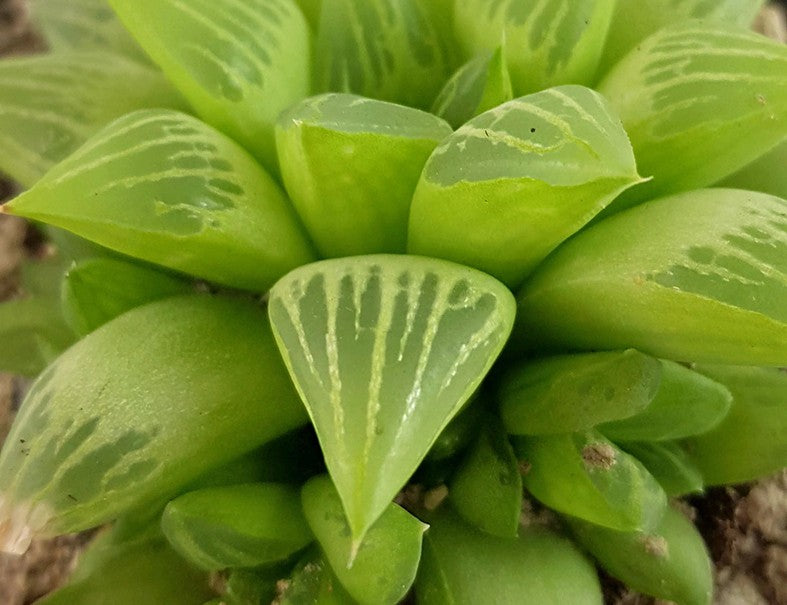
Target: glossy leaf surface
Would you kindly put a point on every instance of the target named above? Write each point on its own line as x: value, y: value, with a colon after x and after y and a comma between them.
x: 384, y: 350
x: 669, y: 463
x: 697, y: 276
x: 514, y: 182
x: 350, y: 165
x: 139, y: 408
x: 164, y: 187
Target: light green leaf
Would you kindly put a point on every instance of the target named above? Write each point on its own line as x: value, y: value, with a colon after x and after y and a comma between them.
x: 51, y: 104
x: 547, y: 42
x: 766, y: 173
x: 138, y: 409
x: 698, y: 102
x: 384, y: 350
x: 311, y: 9
x: 376, y: 570
x: 668, y: 462
x: 510, y: 185
x: 350, y: 165
x: 238, y: 62
x: 313, y: 583
x: 164, y: 187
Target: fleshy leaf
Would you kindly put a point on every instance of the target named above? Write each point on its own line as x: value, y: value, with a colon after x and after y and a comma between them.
x: 586, y: 476
x: 254, y: 586
x: 377, y: 570
x: 164, y: 187
x: 514, y: 182
x: 313, y: 583
x: 350, y: 165
x: 698, y: 103
x: 311, y: 9
x: 671, y: 562
x: 238, y: 62
x: 697, y: 276
x: 384, y: 350
x: 459, y: 433
x: 765, y: 174
x: 236, y: 526
x: 139, y: 408
x: 668, y: 462
x: 464, y: 566
x: 51, y: 104
x: 547, y: 42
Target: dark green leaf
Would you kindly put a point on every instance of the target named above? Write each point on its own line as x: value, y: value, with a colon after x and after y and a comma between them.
x: 668, y: 462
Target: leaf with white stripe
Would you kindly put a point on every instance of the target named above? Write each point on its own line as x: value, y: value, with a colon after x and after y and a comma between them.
x: 51, y: 104
x: 239, y: 62
x: 164, y: 187
x: 511, y: 184
x: 698, y: 103
x: 384, y: 350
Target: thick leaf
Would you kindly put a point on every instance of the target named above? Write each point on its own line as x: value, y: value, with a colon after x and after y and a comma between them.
x: 750, y: 442
x: 510, y: 185
x: 670, y: 562
x: 51, y: 104
x: 586, y: 476
x: 376, y: 570
x: 570, y: 393
x: 766, y: 173
x: 459, y: 433
x: 164, y: 187
x: 238, y: 62
x: 351, y: 165
x: 547, y: 42
x: 668, y: 462
x: 465, y: 566
x: 392, y: 50
x: 698, y: 103
x: 313, y: 583
x: 236, y: 526
x: 479, y: 85
x: 139, y: 408
x: 311, y: 9
x: 384, y: 350
x: 253, y: 586
x: 697, y: 276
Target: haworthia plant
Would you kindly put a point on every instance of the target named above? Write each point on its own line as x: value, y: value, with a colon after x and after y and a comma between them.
x: 764, y: 174
x: 138, y: 409
x: 547, y: 42
x: 669, y: 463
x: 691, y: 84
x: 696, y: 276
x: 239, y: 63
x: 165, y: 187
x: 51, y: 104
x: 514, y: 182
x: 384, y: 350
x: 313, y: 582
x: 324, y: 139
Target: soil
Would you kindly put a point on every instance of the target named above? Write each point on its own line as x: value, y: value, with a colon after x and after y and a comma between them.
x: 745, y: 526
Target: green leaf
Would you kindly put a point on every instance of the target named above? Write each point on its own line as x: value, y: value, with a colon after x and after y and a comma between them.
x: 486, y: 489
x: 313, y: 583
x: 465, y: 566
x: 253, y: 586
x: 350, y: 165
x: 164, y: 187
x: 100, y: 289
x: 237, y: 525
x: 765, y: 174
x: 479, y: 85
x: 570, y: 393
x: 587, y: 476
x: 697, y: 276
x: 547, y: 42
x: 238, y: 62
x: 384, y: 351
x: 311, y: 9
x: 51, y: 104
x: 138, y: 409
x: 670, y: 562
x: 514, y: 182
x: 668, y: 462
x: 383, y: 49
x: 458, y: 434
x: 376, y: 570
x: 749, y: 443
x: 698, y: 102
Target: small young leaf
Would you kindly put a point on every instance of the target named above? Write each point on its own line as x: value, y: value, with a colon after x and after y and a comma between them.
x: 236, y: 526
x: 51, y: 104
x: 514, y: 182
x: 138, y: 409
x: 164, y: 187
x: 671, y: 562
x: 377, y: 570
x: 351, y: 165
x: 586, y: 476
x: 668, y: 462
x: 384, y: 350
x: 313, y: 583
x: 239, y: 63
x: 695, y: 276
